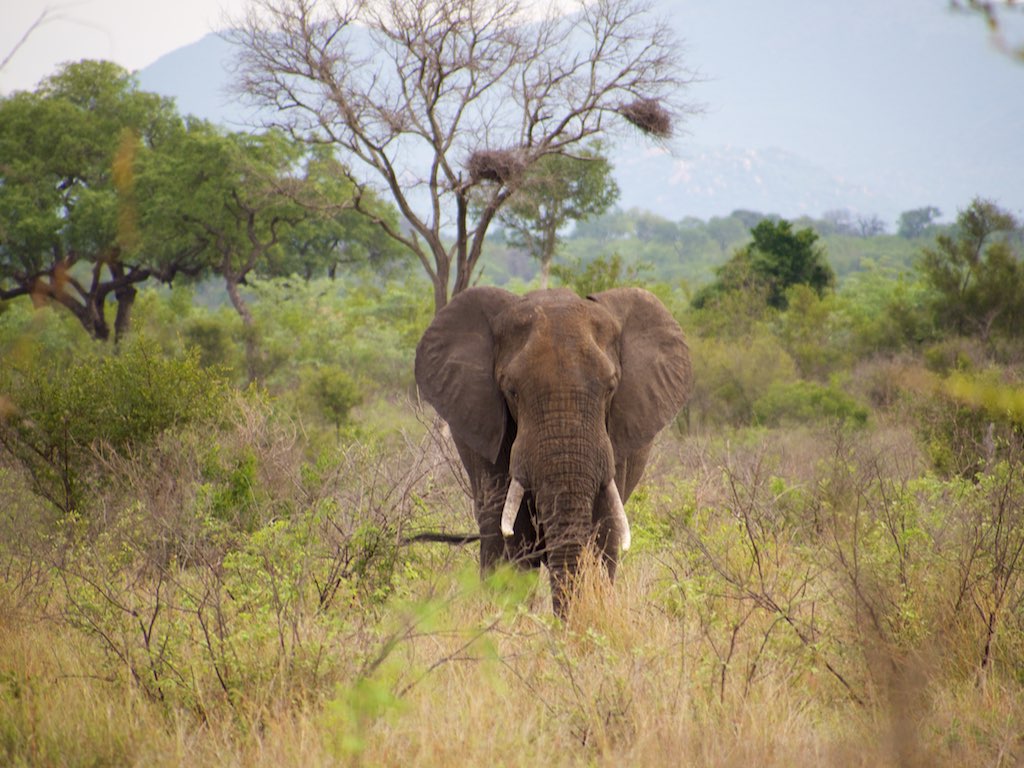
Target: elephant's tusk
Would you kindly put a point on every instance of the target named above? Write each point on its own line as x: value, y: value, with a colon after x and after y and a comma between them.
x: 619, y: 515
x: 513, y: 499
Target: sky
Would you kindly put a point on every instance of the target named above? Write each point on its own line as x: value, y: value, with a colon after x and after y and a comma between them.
x: 931, y: 115
x: 133, y: 33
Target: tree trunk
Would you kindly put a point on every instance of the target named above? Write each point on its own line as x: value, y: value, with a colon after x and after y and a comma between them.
x: 125, y: 303
x: 248, y: 325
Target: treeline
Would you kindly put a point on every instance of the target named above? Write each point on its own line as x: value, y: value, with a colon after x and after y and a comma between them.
x: 105, y: 188
x: 691, y: 248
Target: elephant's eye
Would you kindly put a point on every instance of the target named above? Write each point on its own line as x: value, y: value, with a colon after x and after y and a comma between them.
x: 512, y: 393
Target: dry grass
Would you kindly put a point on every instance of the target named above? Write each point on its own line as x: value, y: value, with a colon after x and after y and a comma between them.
x: 623, y: 683
x: 725, y: 654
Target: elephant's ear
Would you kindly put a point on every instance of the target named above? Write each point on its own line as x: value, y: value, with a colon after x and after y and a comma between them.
x: 656, y: 377
x: 455, y: 369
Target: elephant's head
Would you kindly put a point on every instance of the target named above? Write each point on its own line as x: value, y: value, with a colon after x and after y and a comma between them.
x: 559, y: 399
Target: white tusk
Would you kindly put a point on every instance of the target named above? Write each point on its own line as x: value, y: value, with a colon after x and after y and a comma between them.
x: 513, y: 499
x: 619, y: 515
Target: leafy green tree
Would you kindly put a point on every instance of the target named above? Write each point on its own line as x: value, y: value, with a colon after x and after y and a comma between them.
x: 778, y: 258
x: 918, y: 222
x: 60, y: 417
x: 749, y: 219
x: 335, y: 235
x: 334, y: 392
x: 976, y: 273
x: 652, y: 228
x: 228, y: 197
x: 726, y: 230
x: 599, y: 274
x: 233, y: 200
x: 807, y: 331
x: 69, y: 229
x: 555, y: 190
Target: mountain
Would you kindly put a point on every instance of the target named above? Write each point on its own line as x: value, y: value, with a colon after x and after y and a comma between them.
x: 874, y: 106
x: 198, y: 76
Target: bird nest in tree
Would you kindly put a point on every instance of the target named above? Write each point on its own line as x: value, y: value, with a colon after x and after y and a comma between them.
x: 649, y: 116
x: 500, y: 165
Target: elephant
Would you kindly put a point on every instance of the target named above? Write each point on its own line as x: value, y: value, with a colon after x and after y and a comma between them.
x: 553, y: 402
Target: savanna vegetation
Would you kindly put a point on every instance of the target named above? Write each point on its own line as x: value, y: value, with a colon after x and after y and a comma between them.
x: 204, y: 514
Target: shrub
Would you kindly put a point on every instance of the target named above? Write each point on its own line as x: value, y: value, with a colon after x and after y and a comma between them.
x: 804, y: 402
x: 334, y: 392
x: 599, y: 274
x: 60, y: 416
x: 731, y: 376
x: 969, y: 421
x: 956, y: 353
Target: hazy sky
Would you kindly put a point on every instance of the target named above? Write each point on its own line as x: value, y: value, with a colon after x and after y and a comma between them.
x: 133, y: 33
x: 901, y: 96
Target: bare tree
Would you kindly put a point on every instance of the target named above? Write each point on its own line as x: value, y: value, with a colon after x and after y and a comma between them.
x: 996, y: 14
x: 41, y: 19
x: 444, y: 99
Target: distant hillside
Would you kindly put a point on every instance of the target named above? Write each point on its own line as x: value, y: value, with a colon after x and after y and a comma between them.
x: 198, y: 77
x: 874, y: 106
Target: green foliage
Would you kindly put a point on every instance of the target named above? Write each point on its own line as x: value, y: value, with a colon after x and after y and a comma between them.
x: 778, y: 258
x: 968, y: 421
x: 28, y: 333
x: 807, y: 402
x: 214, y: 338
x: 367, y: 329
x: 598, y: 274
x: 334, y: 392
x: 60, y: 416
x: 731, y: 375
x: 556, y: 190
x: 999, y: 400
x: 808, y: 332
x: 918, y: 222
x: 882, y: 312
x: 68, y: 216
x: 335, y: 237
x: 976, y: 273
x: 108, y: 187
x: 229, y: 494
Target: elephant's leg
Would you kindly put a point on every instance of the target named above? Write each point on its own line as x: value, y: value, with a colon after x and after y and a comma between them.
x: 521, y: 549
x: 490, y: 499
x: 606, y: 538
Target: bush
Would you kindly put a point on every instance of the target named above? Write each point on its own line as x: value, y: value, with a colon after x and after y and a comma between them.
x: 59, y: 417
x: 599, y: 274
x: 731, y: 376
x: 805, y: 402
x: 334, y: 393
x: 969, y: 421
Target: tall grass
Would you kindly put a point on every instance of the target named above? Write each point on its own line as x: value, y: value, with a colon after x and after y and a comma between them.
x: 795, y: 597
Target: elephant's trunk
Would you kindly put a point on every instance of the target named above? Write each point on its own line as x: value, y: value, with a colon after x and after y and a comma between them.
x: 563, y: 562
x: 565, y: 460
x: 567, y: 519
